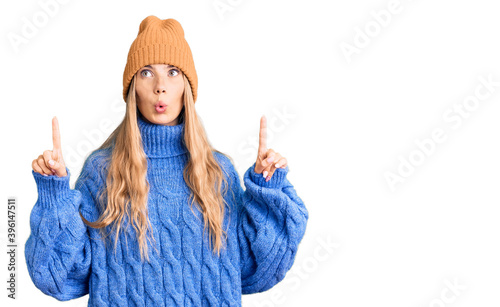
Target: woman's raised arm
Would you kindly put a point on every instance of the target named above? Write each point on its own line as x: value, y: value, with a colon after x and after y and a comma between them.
x: 271, y: 223
x: 58, y: 250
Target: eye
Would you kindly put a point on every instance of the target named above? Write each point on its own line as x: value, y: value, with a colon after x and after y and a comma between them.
x: 145, y: 71
x: 175, y: 71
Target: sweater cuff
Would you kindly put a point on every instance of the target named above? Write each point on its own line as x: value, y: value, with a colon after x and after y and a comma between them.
x: 276, y: 180
x: 52, y: 189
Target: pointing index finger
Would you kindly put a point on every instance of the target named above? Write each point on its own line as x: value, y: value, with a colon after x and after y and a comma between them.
x: 263, y: 135
x: 56, y: 137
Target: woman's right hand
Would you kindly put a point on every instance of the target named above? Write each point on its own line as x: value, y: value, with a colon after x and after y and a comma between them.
x: 51, y: 161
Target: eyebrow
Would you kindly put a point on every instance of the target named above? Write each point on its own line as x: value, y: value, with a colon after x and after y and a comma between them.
x: 168, y: 66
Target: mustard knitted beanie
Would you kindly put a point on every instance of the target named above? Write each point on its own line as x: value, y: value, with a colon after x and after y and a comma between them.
x: 160, y: 42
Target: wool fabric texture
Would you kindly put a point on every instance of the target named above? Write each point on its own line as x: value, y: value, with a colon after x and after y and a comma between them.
x: 66, y: 259
x: 160, y: 42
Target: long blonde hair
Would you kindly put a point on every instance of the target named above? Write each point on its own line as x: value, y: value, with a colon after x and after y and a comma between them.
x: 126, y: 190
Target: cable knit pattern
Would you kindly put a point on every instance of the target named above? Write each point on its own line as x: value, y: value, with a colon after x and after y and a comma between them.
x: 66, y: 259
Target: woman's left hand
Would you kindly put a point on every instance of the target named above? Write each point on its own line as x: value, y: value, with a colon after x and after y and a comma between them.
x: 267, y: 159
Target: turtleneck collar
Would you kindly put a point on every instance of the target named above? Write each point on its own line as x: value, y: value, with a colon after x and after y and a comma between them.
x: 160, y: 141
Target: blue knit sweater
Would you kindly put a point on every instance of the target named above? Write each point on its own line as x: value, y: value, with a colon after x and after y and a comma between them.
x: 67, y: 259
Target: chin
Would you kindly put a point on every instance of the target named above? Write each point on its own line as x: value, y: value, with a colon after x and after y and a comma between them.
x: 159, y: 118
x: 163, y: 119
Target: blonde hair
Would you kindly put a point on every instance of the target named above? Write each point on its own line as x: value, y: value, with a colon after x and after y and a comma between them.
x: 126, y: 190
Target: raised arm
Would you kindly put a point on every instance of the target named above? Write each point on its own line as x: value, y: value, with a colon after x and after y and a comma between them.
x: 272, y: 221
x: 58, y: 250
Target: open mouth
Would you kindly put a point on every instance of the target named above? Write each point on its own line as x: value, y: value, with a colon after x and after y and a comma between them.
x: 160, y: 107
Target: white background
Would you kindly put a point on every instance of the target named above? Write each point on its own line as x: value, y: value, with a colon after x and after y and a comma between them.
x: 343, y: 122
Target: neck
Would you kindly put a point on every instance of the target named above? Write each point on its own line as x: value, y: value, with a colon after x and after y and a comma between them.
x: 160, y: 141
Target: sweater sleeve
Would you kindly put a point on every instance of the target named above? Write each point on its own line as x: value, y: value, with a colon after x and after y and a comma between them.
x: 58, y: 250
x: 271, y: 223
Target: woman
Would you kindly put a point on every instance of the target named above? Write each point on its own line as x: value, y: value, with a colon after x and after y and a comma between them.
x: 209, y: 240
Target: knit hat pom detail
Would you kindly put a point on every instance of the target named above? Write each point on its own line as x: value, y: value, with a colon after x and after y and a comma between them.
x: 170, y: 25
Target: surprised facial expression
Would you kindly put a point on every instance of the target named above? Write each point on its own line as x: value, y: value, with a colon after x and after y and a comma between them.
x: 159, y: 93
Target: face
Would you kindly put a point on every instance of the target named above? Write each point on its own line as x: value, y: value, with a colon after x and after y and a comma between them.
x: 159, y: 93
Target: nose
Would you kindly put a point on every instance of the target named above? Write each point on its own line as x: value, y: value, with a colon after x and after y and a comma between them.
x: 160, y: 87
